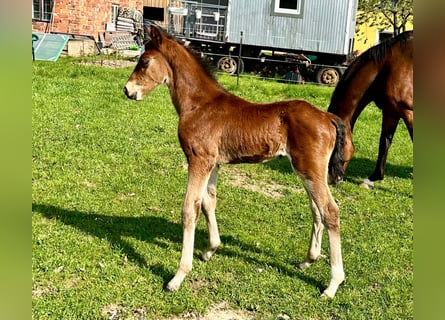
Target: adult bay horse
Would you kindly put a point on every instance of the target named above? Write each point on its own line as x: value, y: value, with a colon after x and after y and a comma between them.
x: 383, y: 74
x: 216, y: 127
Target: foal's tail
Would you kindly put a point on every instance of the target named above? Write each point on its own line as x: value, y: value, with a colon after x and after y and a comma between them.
x: 336, y: 162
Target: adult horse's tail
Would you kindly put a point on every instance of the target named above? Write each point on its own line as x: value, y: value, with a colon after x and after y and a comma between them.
x: 336, y: 162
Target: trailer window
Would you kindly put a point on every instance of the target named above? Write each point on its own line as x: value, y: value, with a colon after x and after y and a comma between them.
x: 287, y: 7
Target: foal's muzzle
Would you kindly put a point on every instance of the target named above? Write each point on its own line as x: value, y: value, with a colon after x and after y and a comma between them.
x: 127, y: 93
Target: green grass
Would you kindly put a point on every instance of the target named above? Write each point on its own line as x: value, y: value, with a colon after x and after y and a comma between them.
x: 108, y: 182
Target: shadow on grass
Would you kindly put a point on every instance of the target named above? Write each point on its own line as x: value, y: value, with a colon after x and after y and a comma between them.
x: 358, y: 168
x: 157, y: 230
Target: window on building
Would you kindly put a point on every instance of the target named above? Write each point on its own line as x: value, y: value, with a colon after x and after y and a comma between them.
x: 42, y: 9
x: 153, y: 13
x: 384, y: 34
x: 287, y: 7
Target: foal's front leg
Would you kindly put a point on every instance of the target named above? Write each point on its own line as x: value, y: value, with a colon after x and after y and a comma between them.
x: 197, y: 182
x: 208, y: 207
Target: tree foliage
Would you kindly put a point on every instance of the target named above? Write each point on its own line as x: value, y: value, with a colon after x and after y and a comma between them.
x: 385, y: 13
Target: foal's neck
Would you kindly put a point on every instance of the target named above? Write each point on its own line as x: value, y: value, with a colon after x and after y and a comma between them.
x: 191, y: 85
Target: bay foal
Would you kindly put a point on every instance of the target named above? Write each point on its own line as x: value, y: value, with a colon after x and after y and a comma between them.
x: 216, y: 127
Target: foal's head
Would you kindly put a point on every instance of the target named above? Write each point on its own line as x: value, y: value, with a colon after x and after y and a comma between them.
x: 151, y: 70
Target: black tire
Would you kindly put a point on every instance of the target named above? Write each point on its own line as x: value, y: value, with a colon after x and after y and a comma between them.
x: 328, y: 76
x: 230, y: 65
x: 227, y: 64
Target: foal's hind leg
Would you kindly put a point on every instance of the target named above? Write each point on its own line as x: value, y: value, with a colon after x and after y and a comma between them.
x: 325, y: 213
x: 198, y: 177
x: 208, y: 208
x: 314, y: 252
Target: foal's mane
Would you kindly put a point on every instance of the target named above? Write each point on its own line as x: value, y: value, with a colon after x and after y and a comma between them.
x: 208, y: 68
x: 205, y: 64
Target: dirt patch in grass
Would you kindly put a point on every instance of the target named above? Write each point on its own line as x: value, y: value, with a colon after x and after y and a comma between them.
x: 38, y: 292
x: 221, y: 311
x: 197, y: 284
x: 111, y: 63
x: 240, y: 179
x: 113, y: 312
x: 271, y: 189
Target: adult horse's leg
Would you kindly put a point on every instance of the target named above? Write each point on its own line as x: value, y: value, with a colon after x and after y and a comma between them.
x: 389, y: 126
x: 208, y: 208
x: 198, y: 176
x: 408, y: 119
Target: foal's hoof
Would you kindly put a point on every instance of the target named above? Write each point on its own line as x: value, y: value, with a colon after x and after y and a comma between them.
x: 207, y: 255
x: 325, y: 295
x: 329, y: 292
x: 172, y: 287
x: 304, y: 265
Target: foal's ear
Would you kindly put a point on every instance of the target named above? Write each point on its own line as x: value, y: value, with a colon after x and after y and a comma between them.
x: 155, y: 36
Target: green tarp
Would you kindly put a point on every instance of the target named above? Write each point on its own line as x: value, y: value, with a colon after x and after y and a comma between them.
x: 48, y: 46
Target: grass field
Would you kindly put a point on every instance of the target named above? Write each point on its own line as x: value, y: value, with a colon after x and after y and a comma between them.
x: 108, y: 180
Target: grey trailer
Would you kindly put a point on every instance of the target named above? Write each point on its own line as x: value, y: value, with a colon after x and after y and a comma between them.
x: 310, y: 39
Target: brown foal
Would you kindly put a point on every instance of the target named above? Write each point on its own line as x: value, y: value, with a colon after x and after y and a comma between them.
x: 216, y: 127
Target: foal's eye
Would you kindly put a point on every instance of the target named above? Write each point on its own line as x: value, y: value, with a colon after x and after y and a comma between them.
x: 145, y: 63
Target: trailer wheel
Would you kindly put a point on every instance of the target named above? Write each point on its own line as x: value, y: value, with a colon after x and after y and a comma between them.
x: 230, y: 65
x: 329, y: 76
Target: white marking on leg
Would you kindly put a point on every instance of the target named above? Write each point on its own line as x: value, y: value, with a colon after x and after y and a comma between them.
x: 314, y: 251
x: 337, y: 272
x: 208, y: 207
x: 190, y: 212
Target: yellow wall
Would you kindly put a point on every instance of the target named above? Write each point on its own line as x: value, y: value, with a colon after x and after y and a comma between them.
x: 368, y: 36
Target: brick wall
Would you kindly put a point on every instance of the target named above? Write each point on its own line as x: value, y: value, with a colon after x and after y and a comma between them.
x: 87, y: 17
